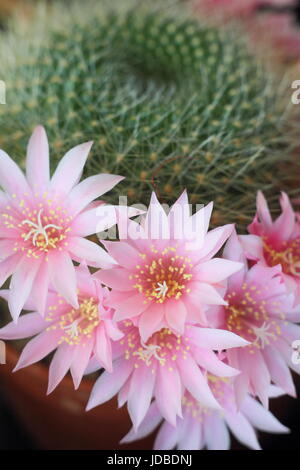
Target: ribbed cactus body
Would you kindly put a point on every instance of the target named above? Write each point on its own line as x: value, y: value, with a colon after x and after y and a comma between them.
x: 170, y: 102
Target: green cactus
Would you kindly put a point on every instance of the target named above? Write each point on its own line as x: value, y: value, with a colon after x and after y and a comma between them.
x: 170, y: 103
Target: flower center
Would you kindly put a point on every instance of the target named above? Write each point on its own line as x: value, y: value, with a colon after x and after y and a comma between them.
x: 248, y: 316
x: 163, y: 347
x: 77, y: 325
x: 288, y: 257
x: 40, y: 225
x: 263, y: 334
x: 42, y: 236
x: 163, y: 276
x: 147, y: 352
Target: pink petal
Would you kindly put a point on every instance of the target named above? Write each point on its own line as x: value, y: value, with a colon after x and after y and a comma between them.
x: 29, y: 305
x: 12, y: 178
x: 63, y: 276
x: 148, y: 425
x: 261, y: 418
x: 133, y: 234
x: 83, y: 249
x: 93, y: 366
x: 275, y: 392
x: 89, y: 189
x: 286, y: 351
x: 83, y: 272
x: 263, y: 210
x: 191, y: 437
x: 69, y: 169
x: 7, y: 246
x: 252, y: 245
x: 10, y: 233
x: 100, y: 218
x: 256, y: 228
x: 86, y: 283
x: 279, y: 371
x: 103, y: 349
x: 116, y: 278
x: 156, y: 223
x: 123, y: 394
x: 150, y: 321
x: 40, y: 289
x: 130, y: 307
x: 216, y: 433
x: 38, y: 348
x: 268, y: 274
x: 209, y: 361
x: 60, y: 365
x: 285, y: 224
x: 213, y: 242
x: 169, y: 404
x: 116, y: 298
x: 233, y: 249
x: 182, y: 200
x: 176, y: 314
x: 196, y: 312
x: 202, y: 219
x: 242, y: 429
x: 290, y: 331
x: 167, y: 437
x: 108, y: 384
x: 90, y: 222
x: 28, y: 325
x: 292, y: 286
x: 205, y: 294
x: 294, y: 314
x: 241, y: 382
x: 192, y: 378
x: 216, y: 270
x: 179, y: 217
x: 212, y: 338
x: 37, y: 162
x: 140, y: 394
x: 7, y: 267
x: 80, y: 362
x: 112, y: 330
x: 21, y: 285
x: 260, y: 378
x: 123, y: 253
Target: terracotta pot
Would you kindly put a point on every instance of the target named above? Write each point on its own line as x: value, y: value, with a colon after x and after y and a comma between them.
x: 59, y: 421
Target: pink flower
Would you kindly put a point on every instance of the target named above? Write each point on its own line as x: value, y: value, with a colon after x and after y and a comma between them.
x: 163, y: 367
x: 278, y: 31
x: 227, y: 9
x: 201, y: 427
x: 260, y: 310
x: 165, y: 275
x: 77, y: 334
x: 43, y: 223
x: 276, y: 242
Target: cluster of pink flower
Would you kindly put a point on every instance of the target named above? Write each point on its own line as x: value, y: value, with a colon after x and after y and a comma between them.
x: 274, y: 27
x: 186, y: 338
